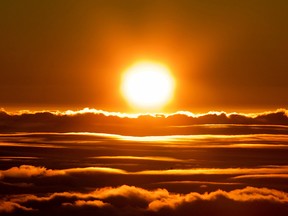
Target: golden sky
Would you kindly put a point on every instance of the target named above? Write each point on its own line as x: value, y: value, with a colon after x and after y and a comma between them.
x: 228, y: 55
x: 143, y: 107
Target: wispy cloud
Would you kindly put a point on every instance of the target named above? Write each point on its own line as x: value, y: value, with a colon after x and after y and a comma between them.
x: 28, y: 171
x: 263, y: 176
x: 169, y: 159
x: 215, y: 171
x: 197, y: 182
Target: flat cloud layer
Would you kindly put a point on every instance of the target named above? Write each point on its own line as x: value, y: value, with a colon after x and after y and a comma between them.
x: 28, y: 171
x: 27, y: 178
x: 130, y: 200
x: 93, y: 162
x: 90, y: 120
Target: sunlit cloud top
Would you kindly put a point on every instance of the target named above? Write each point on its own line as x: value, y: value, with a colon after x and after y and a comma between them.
x: 99, y: 121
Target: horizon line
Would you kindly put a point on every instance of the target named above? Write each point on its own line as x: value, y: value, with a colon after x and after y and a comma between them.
x: 88, y: 110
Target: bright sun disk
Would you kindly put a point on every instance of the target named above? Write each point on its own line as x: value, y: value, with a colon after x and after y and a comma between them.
x: 147, y: 85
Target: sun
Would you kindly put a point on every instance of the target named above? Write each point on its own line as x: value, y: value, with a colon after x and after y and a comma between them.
x: 148, y: 85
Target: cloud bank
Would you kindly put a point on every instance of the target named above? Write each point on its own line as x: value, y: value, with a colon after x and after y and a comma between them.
x: 130, y: 200
x: 177, y: 164
x: 27, y: 178
x: 90, y: 120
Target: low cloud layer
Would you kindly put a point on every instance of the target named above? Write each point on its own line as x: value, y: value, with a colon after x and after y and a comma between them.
x: 179, y: 164
x: 89, y: 120
x: 28, y: 171
x: 27, y: 178
x: 130, y: 200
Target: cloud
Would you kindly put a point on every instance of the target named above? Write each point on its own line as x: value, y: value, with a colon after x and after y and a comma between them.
x: 216, y: 171
x: 24, y: 171
x: 27, y: 171
x: 27, y: 178
x: 90, y: 120
x: 131, y: 200
x: 152, y: 158
x: 263, y: 176
x: 80, y: 203
x: 11, y: 207
x: 248, y: 194
x: 202, y: 183
x: 99, y: 141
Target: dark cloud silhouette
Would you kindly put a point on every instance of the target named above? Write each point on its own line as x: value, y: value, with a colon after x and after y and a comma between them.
x: 130, y: 200
x: 159, y: 124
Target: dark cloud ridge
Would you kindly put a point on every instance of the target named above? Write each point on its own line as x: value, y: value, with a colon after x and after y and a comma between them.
x: 130, y: 200
x: 90, y: 120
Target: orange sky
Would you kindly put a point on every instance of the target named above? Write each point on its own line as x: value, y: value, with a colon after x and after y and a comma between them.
x: 225, y: 56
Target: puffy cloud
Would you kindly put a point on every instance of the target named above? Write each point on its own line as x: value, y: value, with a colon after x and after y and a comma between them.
x: 24, y: 171
x: 248, y: 194
x: 80, y: 203
x: 131, y: 192
x: 130, y: 200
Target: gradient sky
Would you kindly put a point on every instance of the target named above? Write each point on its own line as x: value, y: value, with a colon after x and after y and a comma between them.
x: 229, y: 55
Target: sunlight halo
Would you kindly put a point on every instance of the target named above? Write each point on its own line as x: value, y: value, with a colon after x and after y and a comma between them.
x: 147, y: 86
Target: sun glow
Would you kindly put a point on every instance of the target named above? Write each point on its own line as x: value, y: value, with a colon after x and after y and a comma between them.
x: 148, y: 85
